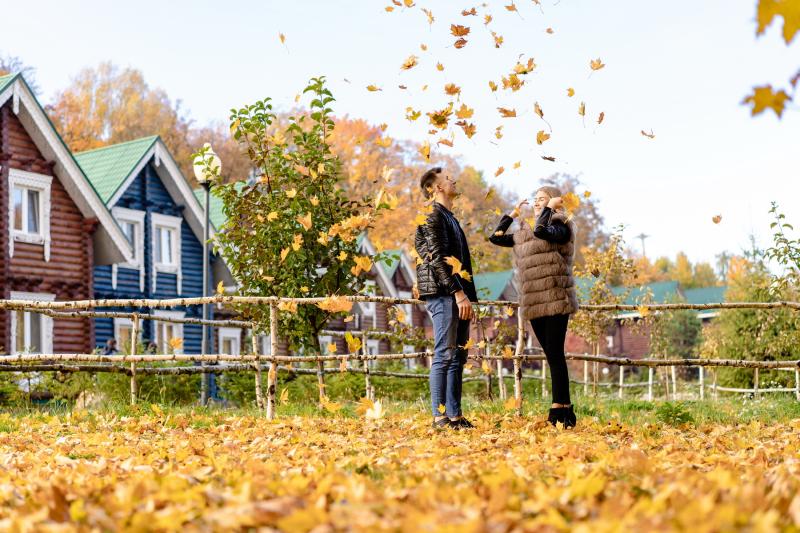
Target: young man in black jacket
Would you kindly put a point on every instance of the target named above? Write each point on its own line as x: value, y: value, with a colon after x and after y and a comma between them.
x: 448, y: 297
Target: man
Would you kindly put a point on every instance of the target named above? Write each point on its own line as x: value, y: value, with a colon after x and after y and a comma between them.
x: 110, y: 348
x: 448, y: 297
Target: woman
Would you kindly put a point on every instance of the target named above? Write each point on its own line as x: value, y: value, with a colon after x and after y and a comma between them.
x: 543, y: 257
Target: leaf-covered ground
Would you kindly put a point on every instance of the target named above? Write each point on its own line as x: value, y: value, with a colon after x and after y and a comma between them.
x: 199, y: 471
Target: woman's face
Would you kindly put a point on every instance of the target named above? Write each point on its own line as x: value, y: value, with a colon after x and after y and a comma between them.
x: 540, y: 202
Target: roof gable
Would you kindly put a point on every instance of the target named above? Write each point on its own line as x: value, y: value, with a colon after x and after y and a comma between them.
x: 491, y: 285
x: 110, y: 244
x: 110, y: 166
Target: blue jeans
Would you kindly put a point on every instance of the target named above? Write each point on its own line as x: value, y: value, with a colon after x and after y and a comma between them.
x: 447, y: 368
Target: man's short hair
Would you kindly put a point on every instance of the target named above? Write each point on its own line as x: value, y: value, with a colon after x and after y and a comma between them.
x: 427, y: 181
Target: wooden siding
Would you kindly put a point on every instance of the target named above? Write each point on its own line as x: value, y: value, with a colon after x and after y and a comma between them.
x: 68, y: 273
x: 147, y: 193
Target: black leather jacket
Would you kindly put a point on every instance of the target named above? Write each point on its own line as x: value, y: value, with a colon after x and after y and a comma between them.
x: 439, y: 237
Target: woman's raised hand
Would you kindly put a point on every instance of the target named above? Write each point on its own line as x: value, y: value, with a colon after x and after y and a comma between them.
x: 555, y: 203
x: 515, y: 212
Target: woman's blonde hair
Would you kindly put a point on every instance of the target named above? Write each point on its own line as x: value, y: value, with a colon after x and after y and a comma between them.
x: 552, y: 192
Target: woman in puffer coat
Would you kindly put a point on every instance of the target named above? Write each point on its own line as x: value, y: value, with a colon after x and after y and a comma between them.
x: 543, y: 258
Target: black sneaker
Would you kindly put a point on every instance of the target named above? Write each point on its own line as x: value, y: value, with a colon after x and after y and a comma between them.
x: 444, y: 422
x: 462, y: 423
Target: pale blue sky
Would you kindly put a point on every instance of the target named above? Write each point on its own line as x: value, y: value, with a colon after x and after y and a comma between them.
x: 679, y: 68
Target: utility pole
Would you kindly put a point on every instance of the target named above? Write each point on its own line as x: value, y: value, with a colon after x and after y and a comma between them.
x: 643, y: 237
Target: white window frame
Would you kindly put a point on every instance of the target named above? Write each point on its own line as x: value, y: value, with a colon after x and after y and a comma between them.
x: 373, y: 346
x: 407, y: 308
x: 131, y: 216
x: 159, y: 324
x: 46, y: 321
x: 266, y: 344
x: 324, y: 341
x: 369, y: 309
x: 158, y: 220
x: 118, y: 324
x: 42, y: 184
x: 234, y: 334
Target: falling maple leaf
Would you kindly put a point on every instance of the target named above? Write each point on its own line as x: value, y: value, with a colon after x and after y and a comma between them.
x: 373, y: 88
x: 596, y: 64
x: 643, y: 310
x: 464, y: 112
x: 452, y: 89
x: 441, y: 117
x: 412, y: 115
x: 429, y: 14
x: 335, y: 304
x: 507, y: 113
x: 441, y: 409
x: 471, y: 12
x: 457, y: 30
x: 487, y: 19
x: 282, y: 38
x: 328, y: 405
x: 439, y: 67
x: 587, y: 194
x: 538, y: 110
x: 601, y: 117
x: 571, y: 202
x: 425, y: 151
x: 176, y: 343
x: 409, y: 63
x: 650, y: 135
x: 468, y: 127
x: 492, y: 86
x: 353, y: 343
x: 485, y: 367
x: 570, y: 92
x: 457, y: 268
x: 498, y: 40
x: 582, y: 109
x: 541, y: 137
x: 550, y: 31
x: 363, y: 264
x: 460, y: 43
x: 549, y: 158
x: 511, y: 7
x: 767, y: 10
x: 284, y: 397
x: 716, y: 219
x: 499, y: 171
x: 764, y: 98
x: 220, y: 288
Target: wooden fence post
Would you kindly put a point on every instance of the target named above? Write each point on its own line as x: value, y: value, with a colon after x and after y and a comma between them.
x: 650, y: 371
x: 702, y: 383
x: 134, y: 345
x: 259, y: 393
x: 716, y: 392
x: 621, y: 379
x: 518, y: 362
x: 501, y: 384
x: 585, y: 377
x: 272, y: 375
x: 674, y: 383
x: 544, y: 378
x: 367, y: 378
x: 797, y: 383
x: 756, y: 384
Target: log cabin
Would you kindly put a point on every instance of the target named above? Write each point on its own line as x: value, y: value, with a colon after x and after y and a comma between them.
x: 55, y: 230
x: 143, y: 187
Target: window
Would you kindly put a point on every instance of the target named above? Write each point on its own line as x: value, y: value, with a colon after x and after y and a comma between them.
x: 29, y: 209
x: 164, y: 332
x: 132, y: 224
x: 31, y: 332
x: 266, y: 344
x: 368, y: 308
x: 373, y: 346
x: 230, y: 341
x: 123, y: 327
x: 166, y: 245
x: 610, y: 341
x: 324, y: 341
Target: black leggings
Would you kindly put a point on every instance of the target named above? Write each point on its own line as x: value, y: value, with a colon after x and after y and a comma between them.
x: 551, y: 331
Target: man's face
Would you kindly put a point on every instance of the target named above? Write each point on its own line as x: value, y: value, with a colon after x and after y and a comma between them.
x: 447, y: 184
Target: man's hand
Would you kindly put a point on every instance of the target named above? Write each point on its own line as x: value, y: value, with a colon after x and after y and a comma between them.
x: 555, y: 203
x: 465, y: 311
x: 415, y: 291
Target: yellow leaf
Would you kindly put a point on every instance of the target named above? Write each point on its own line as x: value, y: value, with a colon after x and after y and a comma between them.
x: 329, y: 406
x: 485, y: 367
x: 409, y: 63
x: 412, y: 115
x: 304, y: 288
x: 363, y: 263
x: 571, y: 202
x: 373, y: 88
x: 291, y: 193
x: 343, y: 365
x: 582, y: 109
x: 507, y: 113
x: 284, y: 253
x: 441, y: 409
x: 297, y: 243
x: 587, y: 194
x: 451, y: 89
x: 570, y: 92
x: 348, y: 318
x: 538, y: 110
x: 176, y: 343
x: 305, y: 221
x: 507, y: 352
x: 375, y: 412
x: 470, y: 343
x: 429, y: 14
x: 282, y: 37
x: 272, y: 216
x: 353, y: 343
x: 220, y: 288
x: 541, y: 137
x: 457, y: 267
x: 290, y: 307
x: 764, y: 98
x: 498, y: 40
x: 767, y: 10
x: 342, y: 256
x: 425, y: 151
x: 517, y: 165
x: 464, y: 112
x: 596, y: 64
x: 492, y: 86
x: 716, y: 219
x: 284, y: 397
x: 643, y: 310
x: 512, y: 403
x: 335, y: 304
x: 439, y: 67
x: 509, y: 311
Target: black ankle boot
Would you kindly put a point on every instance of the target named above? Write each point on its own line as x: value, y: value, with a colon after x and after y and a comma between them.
x: 568, y: 414
x: 554, y: 416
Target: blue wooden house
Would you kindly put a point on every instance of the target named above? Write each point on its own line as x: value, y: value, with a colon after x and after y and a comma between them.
x: 154, y: 205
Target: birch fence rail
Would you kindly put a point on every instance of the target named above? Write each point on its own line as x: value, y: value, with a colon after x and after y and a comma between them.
x: 127, y: 363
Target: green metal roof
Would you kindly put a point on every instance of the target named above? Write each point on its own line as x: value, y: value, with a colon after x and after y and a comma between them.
x: 215, y: 212
x: 490, y: 285
x: 6, y: 80
x: 663, y: 291
x: 705, y: 295
x: 393, y: 258
x: 107, y: 168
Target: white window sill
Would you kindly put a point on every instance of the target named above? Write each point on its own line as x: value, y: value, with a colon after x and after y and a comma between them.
x: 30, y: 238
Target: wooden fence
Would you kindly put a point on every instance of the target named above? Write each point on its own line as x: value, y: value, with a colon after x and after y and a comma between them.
x: 129, y: 363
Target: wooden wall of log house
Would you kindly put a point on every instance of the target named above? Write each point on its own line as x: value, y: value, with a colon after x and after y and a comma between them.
x: 68, y: 273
